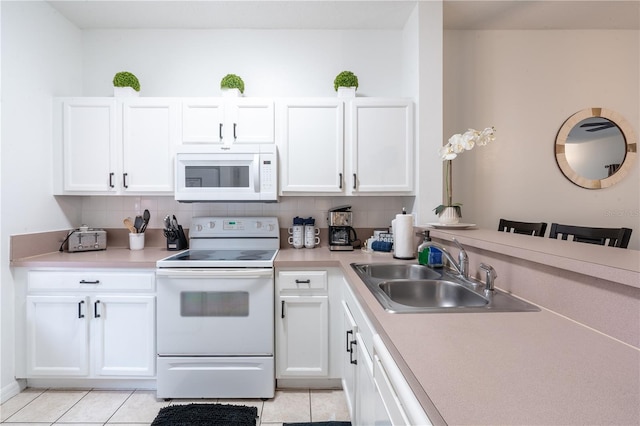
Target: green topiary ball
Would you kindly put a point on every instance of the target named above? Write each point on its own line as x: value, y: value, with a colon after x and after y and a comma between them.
x: 345, y: 79
x: 126, y: 79
x: 232, y: 81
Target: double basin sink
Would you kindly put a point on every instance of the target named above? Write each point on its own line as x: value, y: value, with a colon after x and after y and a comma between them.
x: 411, y: 288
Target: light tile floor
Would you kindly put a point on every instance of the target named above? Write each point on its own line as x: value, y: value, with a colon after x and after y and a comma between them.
x: 43, y: 407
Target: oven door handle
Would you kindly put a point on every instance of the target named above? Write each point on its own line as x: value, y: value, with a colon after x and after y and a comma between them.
x: 207, y: 273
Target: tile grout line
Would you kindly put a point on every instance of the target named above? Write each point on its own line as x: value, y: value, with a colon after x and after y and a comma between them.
x: 120, y: 406
x: 25, y: 406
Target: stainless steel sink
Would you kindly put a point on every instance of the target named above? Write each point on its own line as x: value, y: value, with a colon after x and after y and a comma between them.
x: 431, y: 294
x: 398, y: 271
x: 411, y: 288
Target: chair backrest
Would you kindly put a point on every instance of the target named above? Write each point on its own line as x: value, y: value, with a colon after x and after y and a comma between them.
x: 529, y: 228
x: 617, y: 237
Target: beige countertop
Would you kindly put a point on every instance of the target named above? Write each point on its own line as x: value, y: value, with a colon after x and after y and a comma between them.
x: 499, y: 368
x: 495, y: 368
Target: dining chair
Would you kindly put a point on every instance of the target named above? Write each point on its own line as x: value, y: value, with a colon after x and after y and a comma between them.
x: 617, y: 237
x: 530, y: 228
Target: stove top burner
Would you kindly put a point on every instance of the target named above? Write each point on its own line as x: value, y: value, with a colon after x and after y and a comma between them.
x: 222, y: 255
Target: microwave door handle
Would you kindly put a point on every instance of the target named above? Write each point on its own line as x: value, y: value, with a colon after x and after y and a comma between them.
x: 256, y: 174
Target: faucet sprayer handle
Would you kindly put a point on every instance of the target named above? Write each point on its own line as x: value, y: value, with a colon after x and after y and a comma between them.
x: 490, y: 277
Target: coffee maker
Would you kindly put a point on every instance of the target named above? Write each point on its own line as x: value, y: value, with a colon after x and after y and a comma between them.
x: 341, y: 234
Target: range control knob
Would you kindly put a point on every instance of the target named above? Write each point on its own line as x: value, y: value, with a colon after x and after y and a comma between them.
x: 198, y: 227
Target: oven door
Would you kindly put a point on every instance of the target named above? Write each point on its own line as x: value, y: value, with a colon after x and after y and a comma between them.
x: 215, y: 312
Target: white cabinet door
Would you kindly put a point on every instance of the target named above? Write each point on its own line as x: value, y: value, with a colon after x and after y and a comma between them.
x: 311, y: 146
x: 123, y: 335
x: 302, y: 336
x: 227, y: 121
x: 370, y: 409
x: 87, y: 157
x: 349, y: 359
x: 149, y: 132
x: 382, y: 146
x: 202, y: 120
x: 57, y: 336
x: 250, y: 120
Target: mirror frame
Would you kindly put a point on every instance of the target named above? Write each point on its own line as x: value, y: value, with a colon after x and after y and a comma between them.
x: 631, y: 148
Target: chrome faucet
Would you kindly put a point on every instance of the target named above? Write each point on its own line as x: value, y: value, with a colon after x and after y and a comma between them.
x: 462, y: 265
x: 491, y: 275
x: 463, y: 260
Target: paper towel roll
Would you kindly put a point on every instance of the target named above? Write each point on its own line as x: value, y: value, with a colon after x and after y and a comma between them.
x: 403, y: 236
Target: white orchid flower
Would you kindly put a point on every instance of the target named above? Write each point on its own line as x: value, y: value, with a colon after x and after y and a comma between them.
x: 446, y: 153
x: 457, y: 143
x: 469, y: 139
x: 486, y: 136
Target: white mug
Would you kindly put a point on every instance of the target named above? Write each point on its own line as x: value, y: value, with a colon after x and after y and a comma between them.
x: 311, y: 238
x: 297, y: 236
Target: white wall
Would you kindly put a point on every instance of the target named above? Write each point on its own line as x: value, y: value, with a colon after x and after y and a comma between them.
x: 526, y: 84
x: 40, y: 58
x: 271, y: 62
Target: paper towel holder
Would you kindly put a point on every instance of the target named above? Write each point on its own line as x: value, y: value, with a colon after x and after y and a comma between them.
x: 403, y: 244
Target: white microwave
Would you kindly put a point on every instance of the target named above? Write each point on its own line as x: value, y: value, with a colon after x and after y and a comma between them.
x: 226, y: 173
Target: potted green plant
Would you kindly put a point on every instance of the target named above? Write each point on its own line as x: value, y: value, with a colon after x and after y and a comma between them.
x: 346, y: 84
x: 232, y: 85
x: 450, y: 212
x: 125, y: 84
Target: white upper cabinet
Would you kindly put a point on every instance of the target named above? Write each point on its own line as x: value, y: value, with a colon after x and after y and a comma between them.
x: 85, y: 153
x: 108, y: 146
x: 149, y: 133
x: 227, y: 120
x: 380, y: 137
x: 311, y: 145
x: 363, y: 146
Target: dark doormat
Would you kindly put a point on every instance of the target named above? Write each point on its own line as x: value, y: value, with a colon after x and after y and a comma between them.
x: 206, y: 415
x: 318, y: 424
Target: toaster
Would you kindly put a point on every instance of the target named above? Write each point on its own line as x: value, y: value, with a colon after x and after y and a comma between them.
x: 87, y: 239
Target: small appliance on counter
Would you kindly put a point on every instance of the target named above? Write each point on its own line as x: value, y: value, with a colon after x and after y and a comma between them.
x: 85, y: 239
x: 341, y: 235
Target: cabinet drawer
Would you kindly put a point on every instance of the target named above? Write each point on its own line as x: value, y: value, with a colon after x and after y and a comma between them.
x: 302, y: 280
x: 89, y: 280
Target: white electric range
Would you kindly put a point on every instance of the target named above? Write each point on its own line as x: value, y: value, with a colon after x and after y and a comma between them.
x: 215, y: 319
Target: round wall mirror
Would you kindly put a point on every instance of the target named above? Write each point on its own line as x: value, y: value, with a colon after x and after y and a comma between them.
x: 595, y: 148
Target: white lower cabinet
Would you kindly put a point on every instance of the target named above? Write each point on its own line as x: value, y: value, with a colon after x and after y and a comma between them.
x: 90, y: 324
x: 303, y: 343
x: 308, y: 326
x: 376, y: 390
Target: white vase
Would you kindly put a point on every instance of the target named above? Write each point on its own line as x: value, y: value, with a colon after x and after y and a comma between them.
x: 346, y: 92
x: 231, y: 93
x: 125, y: 92
x: 449, y: 216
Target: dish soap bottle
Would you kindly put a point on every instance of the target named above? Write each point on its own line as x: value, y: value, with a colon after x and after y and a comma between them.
x: 428, y: 255
x: 423, y: 248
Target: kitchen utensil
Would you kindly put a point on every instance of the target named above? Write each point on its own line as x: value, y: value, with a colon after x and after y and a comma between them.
x: 145, y: 220
x: 138, y: 223
x: 129, y: 224
x: 167, y: 222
